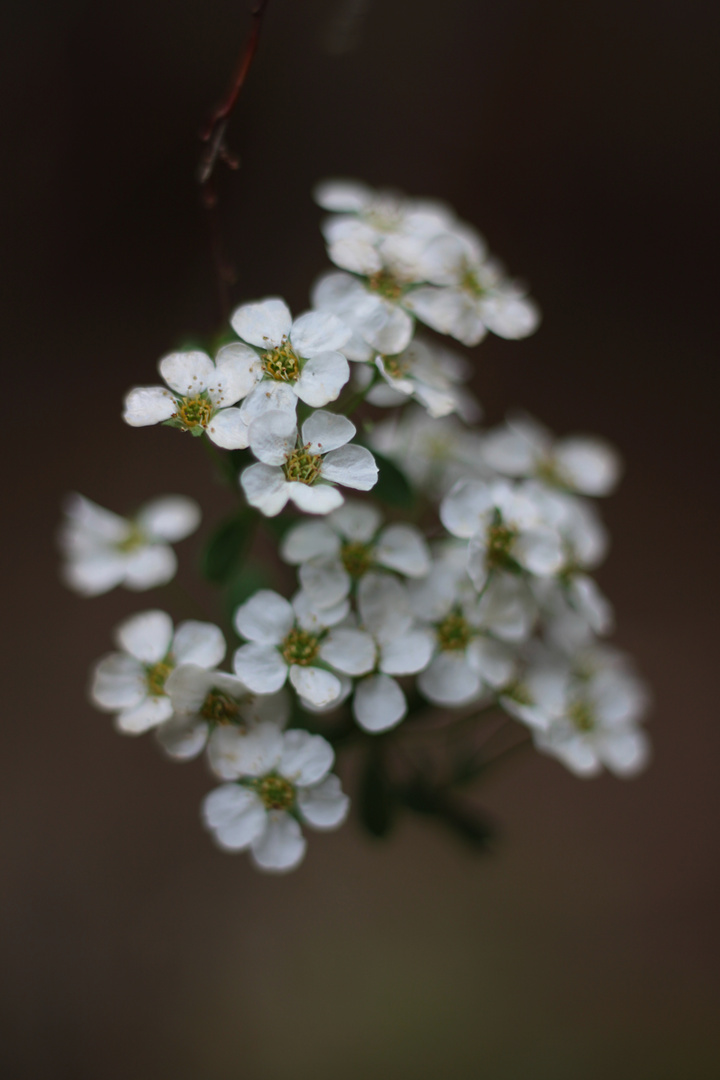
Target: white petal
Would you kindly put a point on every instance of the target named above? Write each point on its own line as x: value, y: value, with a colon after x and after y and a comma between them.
x: 311, y: 617
x: 281, y: 846
x: 265, y: 618
x: 150, y: 566
x: 171, y: 518
x: 509, y: 316
x: 322, y: 379
x: 323, y: 431
x: 590, y: 466
x: 407, y: 654
x: 233, y: 752
x: 238, y: 368
x: 261, y: 668
x: 578, y: 754
x: 306, y: 758
x: 148, y: 405
x: 187, y: 373
x: 467, y: 507
x: 309, y: 540
x: 449, y: 680
x: 494, y: 661
x: 188, y: 686
x: 93, y: 576
x: 265, y: 488
x: 183, y: 737
x: 146, y: 636
x: 148, y: 714
x: 235, y: 815
x: 84, y: 517
x: 264, y: 324
x: 273, y: 436
x: 198, y: 643
x: 625, y: 752
x: 379, y: 703
x: 353, y: 466
x: 342, y: 195
x: 384, y: 606
x: 268, y: 396
x: 118, y: 682
x: 318, y: 499
x: 357, y: 521
x: 229, y: 430
x: 318, y: 332
x: 449, y: 311
x: 540, y: 551
x: 403, y: 548
x: 325, y: 581
x: 349, y: 651
x: 324, y: 806
x: 318, y: 686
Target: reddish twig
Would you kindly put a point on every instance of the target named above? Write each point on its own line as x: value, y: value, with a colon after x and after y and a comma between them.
x: 213, y: 134
x: 216, y: 149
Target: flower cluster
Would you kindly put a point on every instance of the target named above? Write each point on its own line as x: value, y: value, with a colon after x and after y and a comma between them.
x: 462, y: 592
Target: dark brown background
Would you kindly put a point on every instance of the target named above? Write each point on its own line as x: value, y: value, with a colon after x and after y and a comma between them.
x: 580, y: 137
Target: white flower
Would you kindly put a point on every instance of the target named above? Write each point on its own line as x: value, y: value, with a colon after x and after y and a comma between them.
x: 205, y: 703
x: 402, y: 649
x: 132, y: 683
x: 508, y: 527
x: 103, y: 550
x: 304, y: 355
x: 469, y: 294
x: 585, y: 712
x: 282, y: 780
x: 202, y: 392
x: 524, y: 448
x: 338, y: 550
x: 305, y: 469
x: 293, y: 640
x: 573, y: 610
x: 431, y: 375
x: 371, y: 308
x: 434, y: 454
x: 474, y: 640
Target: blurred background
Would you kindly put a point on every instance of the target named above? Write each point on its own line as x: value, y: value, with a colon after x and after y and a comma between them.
x: 581, y: 139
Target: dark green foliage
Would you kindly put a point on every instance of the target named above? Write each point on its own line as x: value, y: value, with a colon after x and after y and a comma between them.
x: 228, y: 546
x: 393, y: 487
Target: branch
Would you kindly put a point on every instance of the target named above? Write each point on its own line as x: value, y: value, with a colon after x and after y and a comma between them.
x: 214, y: 132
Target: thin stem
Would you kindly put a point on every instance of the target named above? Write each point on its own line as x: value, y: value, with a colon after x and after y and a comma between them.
x: 213, y: 134
x: 357, y: 399
x: 216, y: 149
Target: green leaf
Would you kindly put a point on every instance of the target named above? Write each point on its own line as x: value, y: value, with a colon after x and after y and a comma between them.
x: 376, y: 802
x: 393, y: 487
x: 228, y: 546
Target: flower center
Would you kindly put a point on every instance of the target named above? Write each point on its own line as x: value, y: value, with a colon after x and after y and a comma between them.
x: 385, y: 285
x: 156, y: 677
x: 219, y: 708
x: 519, y: 693
x: 194, y: 412
x: 454, y: 633
x: 132, y: 541
x: 581, y: 716
x: 276, y: 792
x: 302, y: 467
x: 356, y: 558
x: 500, y: 539
x: 282, y: 363
x: 471, y: 284
x: 300, y: 647
x: 396, y: 366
